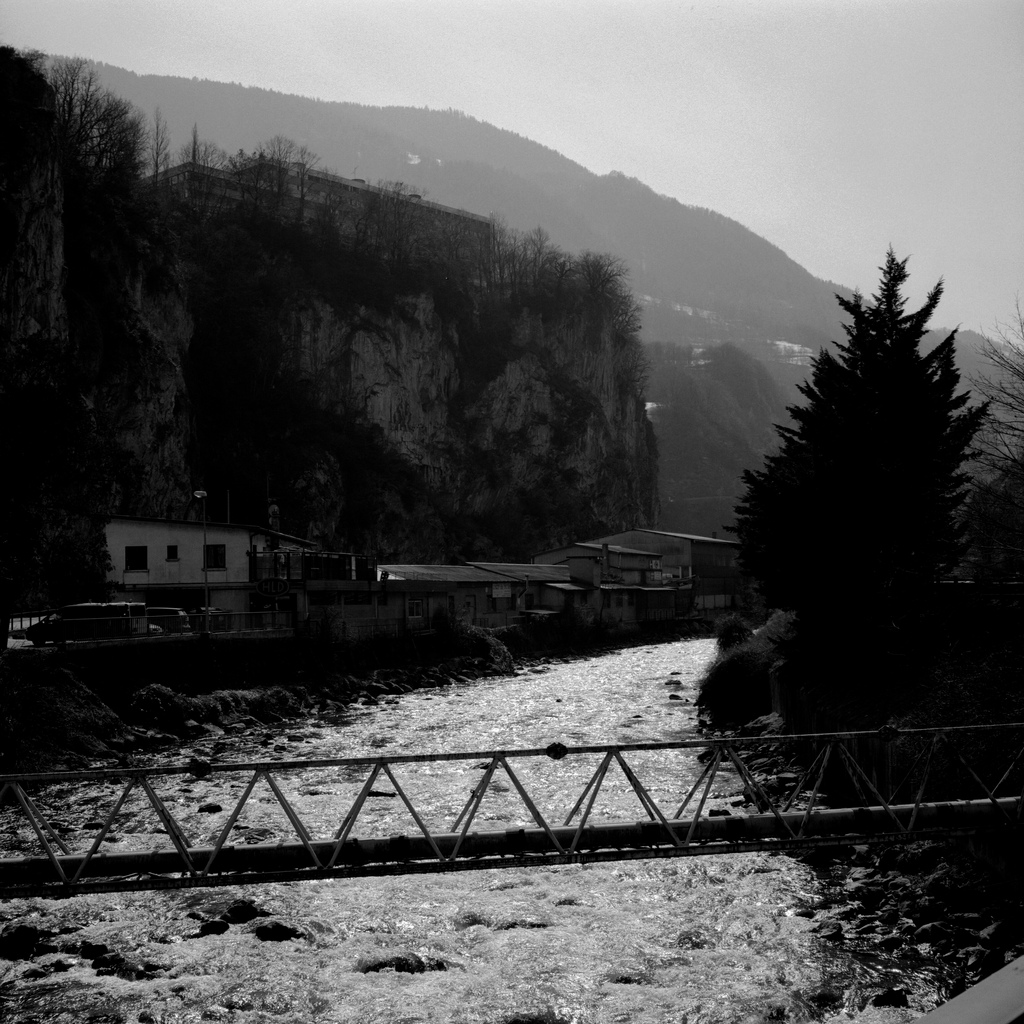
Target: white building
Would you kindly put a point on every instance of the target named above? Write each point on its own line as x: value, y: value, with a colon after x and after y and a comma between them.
x: 163, y: 562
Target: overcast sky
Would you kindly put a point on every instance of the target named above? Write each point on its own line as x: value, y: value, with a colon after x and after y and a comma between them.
x: 831, y: 128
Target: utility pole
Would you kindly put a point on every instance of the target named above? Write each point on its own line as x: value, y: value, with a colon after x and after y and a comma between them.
x: 206, y: 568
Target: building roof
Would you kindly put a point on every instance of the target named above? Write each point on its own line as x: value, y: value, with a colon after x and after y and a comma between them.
x: 669, y: 533
x: 319, y: 177
x: 598, y: 546
x: 617, y: 548
x: 528, y: 571
x: 266, y: 531
x: 442, y: 573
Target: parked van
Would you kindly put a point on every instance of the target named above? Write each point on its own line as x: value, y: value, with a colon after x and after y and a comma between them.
x: 90, y: 620
x: 170, y: 620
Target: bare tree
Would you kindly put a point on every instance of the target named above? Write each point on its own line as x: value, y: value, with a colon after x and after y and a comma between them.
x: 633, y: 367
x: 159, y: 155
x: 1003, y: 386
x: 604, y: 281
x: 392, y: 224
x: 305, y: 162
x: 328, y: 215
x: 997, y: 506
x: 253, y: 176
x: 277, y: 155
x: 508, y: 258
x: 96, y: 132
x: 600, y: 273
x: 205, y: 163
x: 452, y: 241
x: 539, y: 258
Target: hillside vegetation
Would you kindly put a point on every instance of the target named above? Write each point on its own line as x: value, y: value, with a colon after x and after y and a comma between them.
x: 713, y: 411
x: 703, y: 280
x: 683, y: 258
x: 392, y: 399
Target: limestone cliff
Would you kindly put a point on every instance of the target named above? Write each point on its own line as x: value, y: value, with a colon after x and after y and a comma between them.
x: 32, y: 311
x: 141, y: 399
x: 72, y: 303
x: 559, y: 424
x: 566, y: 409
x: 404, y: 411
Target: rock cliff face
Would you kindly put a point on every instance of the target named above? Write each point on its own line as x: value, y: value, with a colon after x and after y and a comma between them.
x: 398, y: 371
x: 31, y: 206
x: 560, y: 419
x: 134, y: 385
x: 397, y: 428
x: 566, y: 409
x: 142, y: 402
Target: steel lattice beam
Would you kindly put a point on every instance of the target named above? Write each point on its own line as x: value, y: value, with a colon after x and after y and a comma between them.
x: 774, y: 826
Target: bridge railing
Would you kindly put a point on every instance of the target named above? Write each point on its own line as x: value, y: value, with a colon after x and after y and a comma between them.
x: 396, y: 813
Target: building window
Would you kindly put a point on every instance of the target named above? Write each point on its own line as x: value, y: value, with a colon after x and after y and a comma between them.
x: 136, y: 558
x: 415, y: 608
x: 216, y: 556
x: 172, y: 552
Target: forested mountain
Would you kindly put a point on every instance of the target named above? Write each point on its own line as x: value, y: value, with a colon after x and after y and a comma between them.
x: 714, y: 412
x: 394, y: 393
x: 702, y: 276
x: 731, y: 324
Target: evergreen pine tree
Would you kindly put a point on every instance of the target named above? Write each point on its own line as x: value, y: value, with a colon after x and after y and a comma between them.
x: 856, y: 515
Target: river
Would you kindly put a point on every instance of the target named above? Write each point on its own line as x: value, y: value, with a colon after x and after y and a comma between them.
x: 703, y: 940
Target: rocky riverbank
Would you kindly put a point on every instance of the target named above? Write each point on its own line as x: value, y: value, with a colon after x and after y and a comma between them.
x: 927, y: 900
x: 884, y: 924
x: 54, y: 721
x: 929, y: 897
x: 66, y: 710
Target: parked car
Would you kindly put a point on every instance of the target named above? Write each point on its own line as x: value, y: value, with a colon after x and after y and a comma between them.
x: 90, y: 620
x: 170, y: 620
x: 220, y: 619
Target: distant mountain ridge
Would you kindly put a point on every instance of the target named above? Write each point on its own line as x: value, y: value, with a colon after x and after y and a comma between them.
x: 704, y: 278
x: 706, y: 281
x: 680, y: 257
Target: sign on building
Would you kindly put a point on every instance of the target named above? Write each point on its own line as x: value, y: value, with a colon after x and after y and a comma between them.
x: 273, y: 586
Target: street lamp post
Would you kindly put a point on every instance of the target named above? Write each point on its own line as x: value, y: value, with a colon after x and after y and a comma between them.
x: 206, y: 568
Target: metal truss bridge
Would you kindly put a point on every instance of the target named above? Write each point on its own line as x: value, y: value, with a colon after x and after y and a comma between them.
x: 165, y: 827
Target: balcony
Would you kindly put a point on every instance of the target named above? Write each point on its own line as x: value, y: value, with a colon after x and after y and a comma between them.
x: 313, y: 566
x: 281, y: 565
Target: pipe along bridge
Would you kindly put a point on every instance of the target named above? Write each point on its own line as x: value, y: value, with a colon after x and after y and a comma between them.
x: 203, y: 824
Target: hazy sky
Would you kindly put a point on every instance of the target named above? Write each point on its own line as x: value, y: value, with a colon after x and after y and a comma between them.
x: 831, y: 128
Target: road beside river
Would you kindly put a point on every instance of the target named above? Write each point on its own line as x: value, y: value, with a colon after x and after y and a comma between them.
x: 704, y: 940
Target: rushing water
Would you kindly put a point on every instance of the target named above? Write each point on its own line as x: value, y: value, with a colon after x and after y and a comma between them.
x: 704, y: 940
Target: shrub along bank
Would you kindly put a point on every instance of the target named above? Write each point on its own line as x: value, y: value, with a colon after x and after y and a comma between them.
x: 737, y: 685
x: 68, y: 708
x: 964, y: 669
x: 959, y: 665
